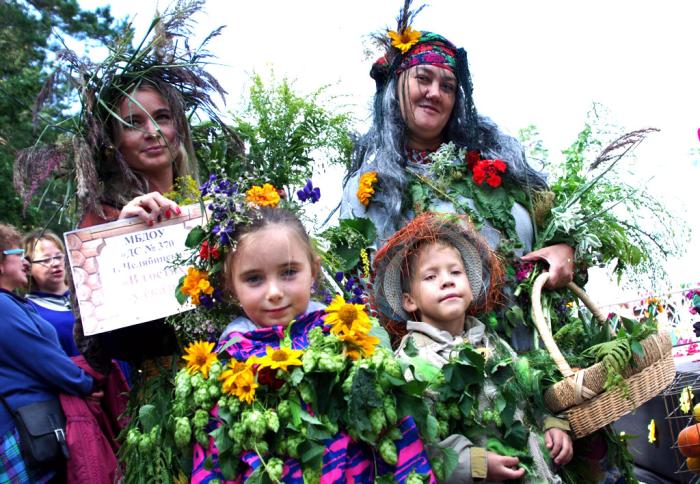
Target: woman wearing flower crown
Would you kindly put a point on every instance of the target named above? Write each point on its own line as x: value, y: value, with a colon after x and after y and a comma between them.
x: 426, y: 137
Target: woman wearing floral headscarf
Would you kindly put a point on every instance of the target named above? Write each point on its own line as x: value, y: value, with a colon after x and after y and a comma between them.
x: 429, y: 150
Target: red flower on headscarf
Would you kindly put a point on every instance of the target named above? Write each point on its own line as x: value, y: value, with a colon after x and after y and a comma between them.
x: 489, y: 171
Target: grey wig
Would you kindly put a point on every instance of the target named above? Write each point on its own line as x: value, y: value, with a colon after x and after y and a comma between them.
x: 383, y: 149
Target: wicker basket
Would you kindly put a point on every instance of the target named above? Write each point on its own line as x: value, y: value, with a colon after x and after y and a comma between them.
x: 580, y: 394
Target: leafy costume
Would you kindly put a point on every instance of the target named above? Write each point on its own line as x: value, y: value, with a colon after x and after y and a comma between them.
x: 344, y: 460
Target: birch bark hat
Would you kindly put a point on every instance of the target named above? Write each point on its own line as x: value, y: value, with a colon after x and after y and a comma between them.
x: 392, y: 262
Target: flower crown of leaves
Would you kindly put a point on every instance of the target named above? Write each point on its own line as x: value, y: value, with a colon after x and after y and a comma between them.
x: 162, y: 59
x: 228, y: 205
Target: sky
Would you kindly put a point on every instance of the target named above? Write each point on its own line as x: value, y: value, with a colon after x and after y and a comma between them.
x: 532, y: 62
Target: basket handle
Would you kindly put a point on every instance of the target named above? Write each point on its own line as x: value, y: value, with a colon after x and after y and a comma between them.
x: 588, y: 302
x: 543, y: 328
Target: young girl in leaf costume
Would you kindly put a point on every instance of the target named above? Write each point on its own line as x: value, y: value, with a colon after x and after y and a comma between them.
x: 434, y: 275
x: 270, y: 270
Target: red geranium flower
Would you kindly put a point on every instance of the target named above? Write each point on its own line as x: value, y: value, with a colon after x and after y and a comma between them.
x: 473, y: 158
x: 206, y: 252
x: 489, y: 171
x: 268, y: 377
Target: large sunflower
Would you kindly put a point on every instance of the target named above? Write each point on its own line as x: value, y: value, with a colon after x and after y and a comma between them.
x: 405, y: 39
x: 200, y: 357
x: 280, y: 358
x: 344, y: 317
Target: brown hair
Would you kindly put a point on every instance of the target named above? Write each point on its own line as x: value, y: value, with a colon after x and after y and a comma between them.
x: 9, y: 237
x: 261, y: 218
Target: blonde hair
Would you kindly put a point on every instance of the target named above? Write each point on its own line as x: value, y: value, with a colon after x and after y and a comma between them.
x: 32, y: 239
x: 261, y: 218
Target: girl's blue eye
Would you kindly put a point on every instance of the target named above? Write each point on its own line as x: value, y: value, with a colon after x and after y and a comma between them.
x: 253, y: 280
x: 290, y: 273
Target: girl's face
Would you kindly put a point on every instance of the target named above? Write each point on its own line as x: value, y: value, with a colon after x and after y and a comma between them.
x: 440, y: 289
x: 48, y: 267
x: 272, y: 275
x: 147, y: 146
x: 426, y: 98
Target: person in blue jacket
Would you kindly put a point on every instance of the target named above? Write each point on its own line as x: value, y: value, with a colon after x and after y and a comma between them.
x: 33, y: 366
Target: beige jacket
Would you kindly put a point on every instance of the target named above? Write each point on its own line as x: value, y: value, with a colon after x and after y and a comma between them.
x: 436, y: 347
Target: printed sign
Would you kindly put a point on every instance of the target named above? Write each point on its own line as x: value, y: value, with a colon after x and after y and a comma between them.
x: 123, y: 271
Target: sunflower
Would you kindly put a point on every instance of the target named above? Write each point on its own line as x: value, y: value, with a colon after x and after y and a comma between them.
x: 359, y: 344
x: 344, y: 317
x: 281, y: 358
x: 200, y: 357
x: 245, y: 387
x: 229, y: 376
x: 263, y: 196
x: 404, y: 40
x: 366, y: 188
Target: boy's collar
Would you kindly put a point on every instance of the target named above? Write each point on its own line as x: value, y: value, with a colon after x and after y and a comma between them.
x: 473, y: 333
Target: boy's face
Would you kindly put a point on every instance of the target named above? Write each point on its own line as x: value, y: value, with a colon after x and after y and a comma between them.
x: 440, y: 290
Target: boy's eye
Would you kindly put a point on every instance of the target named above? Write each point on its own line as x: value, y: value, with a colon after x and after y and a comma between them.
x: 456, y: 272
x: 165, y: 117
x: 448, y: 87
x: 429, y: 277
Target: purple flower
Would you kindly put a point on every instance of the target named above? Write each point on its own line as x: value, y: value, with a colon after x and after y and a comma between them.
x: 339, y: 276
x: 309, y: 192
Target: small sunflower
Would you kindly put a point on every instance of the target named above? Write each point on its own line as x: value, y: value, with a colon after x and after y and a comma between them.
x: 405, y: 39
x: 281, y: 358
x: 229, y: 376
x: 366, y: 188
x: 200, y: 357
x: 245, y: 387
x: 263, y: 196
x: 359, y: 344
x: 344, y: 317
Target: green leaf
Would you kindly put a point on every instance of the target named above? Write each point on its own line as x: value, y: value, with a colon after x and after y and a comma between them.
x: 311, y: 452
x: 179, y: 295
x: 195, y: 237
x: 444, y: 461
x: 232, y: 340
x: 148, y: 417
x: 295, y: 408
x: 296, y: 376
x: 410, y: 348
x: 379, y: 332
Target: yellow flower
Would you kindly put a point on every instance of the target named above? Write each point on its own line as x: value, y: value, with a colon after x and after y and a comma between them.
x: 366, y: 188
x: 229, y: 376
x: 263, y: 196
x: 281, y: 358
x: 365, y: 262
x: 404, y: 40
x: 485, y: 352
x: 359, y: 344
x: 652, y: 431
x: 245, y: 387
x: 200, y: 357
x: 686, y: 399
x: 345, y: 317
x: 195, y: 284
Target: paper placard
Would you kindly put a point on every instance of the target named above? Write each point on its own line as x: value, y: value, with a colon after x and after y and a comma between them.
x: 122, y: 270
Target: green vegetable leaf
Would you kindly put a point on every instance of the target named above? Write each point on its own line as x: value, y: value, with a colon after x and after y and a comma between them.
x: 148, y: 417
x: 195, y: 237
